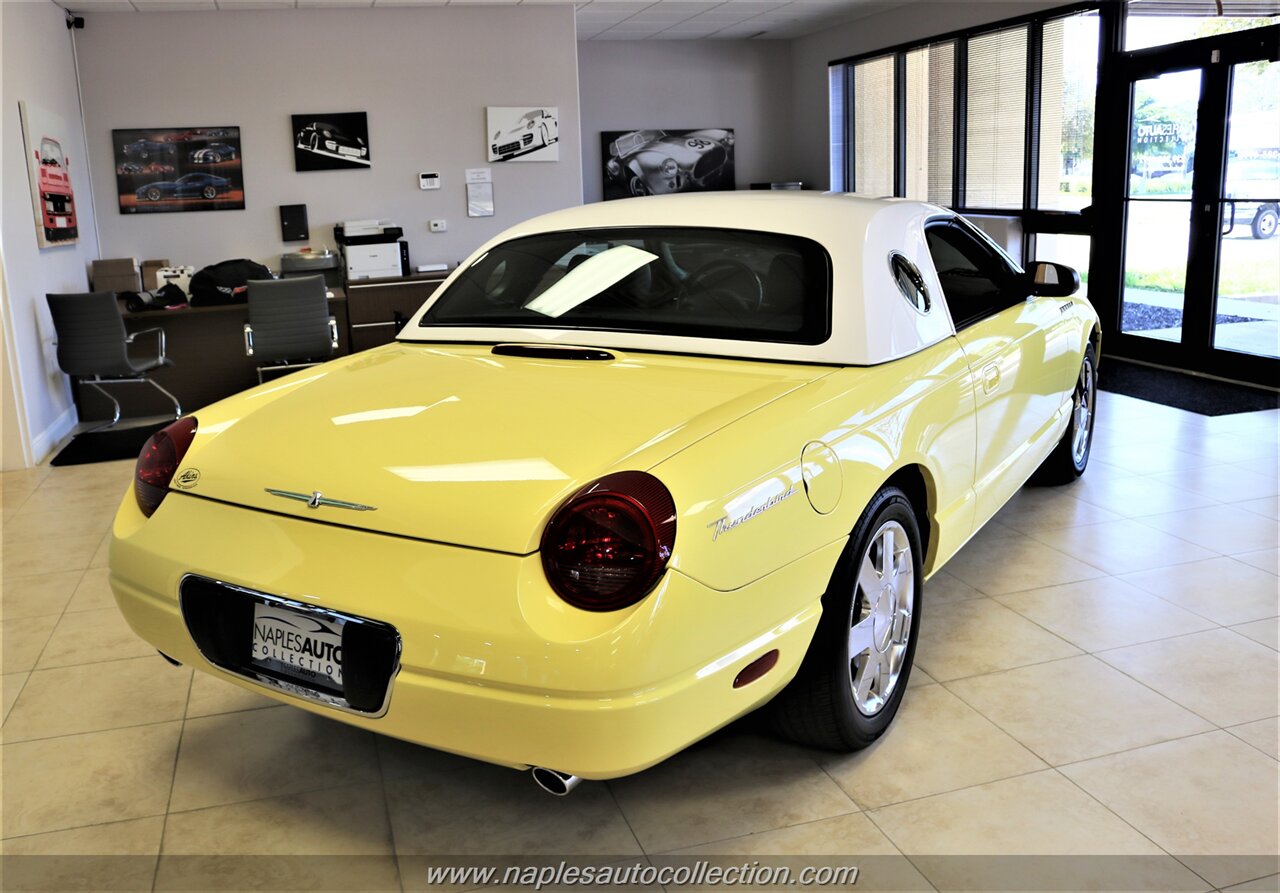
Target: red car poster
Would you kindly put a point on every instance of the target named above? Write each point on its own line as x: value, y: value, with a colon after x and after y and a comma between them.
x: 49, y: 169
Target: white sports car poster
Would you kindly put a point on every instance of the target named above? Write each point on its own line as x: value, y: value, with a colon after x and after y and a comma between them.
x: 523, y: 133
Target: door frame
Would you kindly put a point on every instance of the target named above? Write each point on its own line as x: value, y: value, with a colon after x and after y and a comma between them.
x: 1214, y: 56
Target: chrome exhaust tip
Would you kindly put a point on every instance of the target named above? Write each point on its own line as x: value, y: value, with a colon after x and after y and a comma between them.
x: 554, y: 782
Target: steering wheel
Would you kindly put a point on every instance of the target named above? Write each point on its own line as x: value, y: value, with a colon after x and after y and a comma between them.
x: 725, y: 279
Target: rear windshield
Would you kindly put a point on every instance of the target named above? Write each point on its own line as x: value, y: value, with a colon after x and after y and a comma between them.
x: 690, y: 282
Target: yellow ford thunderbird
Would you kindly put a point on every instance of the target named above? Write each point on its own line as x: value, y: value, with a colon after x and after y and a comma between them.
x: 635, y: 470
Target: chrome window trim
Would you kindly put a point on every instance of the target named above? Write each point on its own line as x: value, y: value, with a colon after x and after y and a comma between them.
x: 896, y: 259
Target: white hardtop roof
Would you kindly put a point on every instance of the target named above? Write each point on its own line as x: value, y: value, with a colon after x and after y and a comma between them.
x: 872, y: 321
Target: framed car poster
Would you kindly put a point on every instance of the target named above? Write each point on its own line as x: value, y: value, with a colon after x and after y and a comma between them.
x: 658, y: 162
x: 331, y: 142
x: 523, y: 133
x: 49, y: 170
x: 178, y: 169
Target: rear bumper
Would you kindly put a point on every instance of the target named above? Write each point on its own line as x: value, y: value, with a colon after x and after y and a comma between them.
x: 493, y: 666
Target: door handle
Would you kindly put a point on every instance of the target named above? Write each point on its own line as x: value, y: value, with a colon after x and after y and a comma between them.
x: 990, y: 378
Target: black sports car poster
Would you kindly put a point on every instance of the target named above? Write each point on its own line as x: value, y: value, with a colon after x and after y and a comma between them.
x: 178, y: 169
x: 657, y: 162
x: 331, y: 142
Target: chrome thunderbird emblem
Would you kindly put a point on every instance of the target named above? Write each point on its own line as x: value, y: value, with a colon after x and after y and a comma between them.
x: 317, y: 499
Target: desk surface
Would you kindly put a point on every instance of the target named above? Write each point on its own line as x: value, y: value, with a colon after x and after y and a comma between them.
x: 437, y: 276
x: 338, y: 299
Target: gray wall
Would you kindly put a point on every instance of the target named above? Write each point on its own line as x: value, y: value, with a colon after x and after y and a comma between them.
x: 908, y: 22
x: 424, y: 75
x: 38, y: 68
x: 686, y: 84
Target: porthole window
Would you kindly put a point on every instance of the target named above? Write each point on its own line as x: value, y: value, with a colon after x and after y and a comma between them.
x: 910, y: 282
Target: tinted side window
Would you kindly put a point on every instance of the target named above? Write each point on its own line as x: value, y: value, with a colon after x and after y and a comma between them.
x: 976, y: 281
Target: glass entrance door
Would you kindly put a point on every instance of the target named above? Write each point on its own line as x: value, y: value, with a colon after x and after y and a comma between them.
x: 1199, y: 252
x: 1247, y: 317
x: 1162, y: 142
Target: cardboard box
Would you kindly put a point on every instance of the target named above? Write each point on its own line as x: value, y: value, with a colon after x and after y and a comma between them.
x: 116, y: 274
x: 150, y: 270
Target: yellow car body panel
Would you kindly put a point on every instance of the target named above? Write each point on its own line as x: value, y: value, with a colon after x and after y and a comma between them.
x: 523, y: 681
x: 445, y: 433
x: 463, y: 455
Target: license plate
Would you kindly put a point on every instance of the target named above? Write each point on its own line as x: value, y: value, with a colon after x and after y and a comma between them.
x: 343, y: 150
x: 303, y: 646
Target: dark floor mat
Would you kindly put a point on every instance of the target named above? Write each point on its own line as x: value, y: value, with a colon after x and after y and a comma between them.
x: 122, y: 442
x: 1205, y: 396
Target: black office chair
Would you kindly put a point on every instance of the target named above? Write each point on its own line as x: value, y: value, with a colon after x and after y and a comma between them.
x: 289, y: 324
x: 93, y: 346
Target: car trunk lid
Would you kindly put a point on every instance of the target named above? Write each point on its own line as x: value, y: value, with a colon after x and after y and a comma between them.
x: 461, y: 444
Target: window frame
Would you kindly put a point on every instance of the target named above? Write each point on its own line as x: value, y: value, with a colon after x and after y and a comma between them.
x: 1033, y: 218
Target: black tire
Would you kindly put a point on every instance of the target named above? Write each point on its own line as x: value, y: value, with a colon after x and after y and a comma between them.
x: 1069, y: 458
x: 819, y: 707
x: 209, y: 192
x: 1264, y: 222
x: 154, y: 194
x: 638, y: 187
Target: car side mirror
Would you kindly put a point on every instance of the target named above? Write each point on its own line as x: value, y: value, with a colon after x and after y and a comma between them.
x: 1050, y: 280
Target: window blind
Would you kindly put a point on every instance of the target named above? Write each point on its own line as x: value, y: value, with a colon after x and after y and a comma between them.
x: 930, y: 122
x: 995, y: 131
x: 873, y: 127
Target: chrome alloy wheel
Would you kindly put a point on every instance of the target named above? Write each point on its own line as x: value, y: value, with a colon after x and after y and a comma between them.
x: 1082, y: 422
x: 880, y: 621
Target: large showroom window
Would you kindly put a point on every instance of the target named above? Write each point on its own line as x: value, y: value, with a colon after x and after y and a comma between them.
x: 930, y: 125
x: 1153, y: 23
x: 996, y: 123
x: 873, y: 143
x: 1000, y: 120
x: 1068, y: 84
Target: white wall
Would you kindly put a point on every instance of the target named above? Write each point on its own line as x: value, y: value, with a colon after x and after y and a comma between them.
x: 906, y: 23
x: 424, y: 76
x: 14, y: 448
x: 686, y: 84
x: 38, y: 68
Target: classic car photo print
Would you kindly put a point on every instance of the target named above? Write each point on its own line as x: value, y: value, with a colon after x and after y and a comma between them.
x: 331, y: 142
x: 635, y: 470
x: 178, y: 169
x: 658, y: 162
x: 49, y: 170
x: 523, y: 133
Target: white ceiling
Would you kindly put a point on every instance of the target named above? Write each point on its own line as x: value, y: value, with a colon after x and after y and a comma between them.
x: 597, y: 19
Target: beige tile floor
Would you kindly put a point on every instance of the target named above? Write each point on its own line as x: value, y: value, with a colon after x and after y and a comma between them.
x: 1097, y: 675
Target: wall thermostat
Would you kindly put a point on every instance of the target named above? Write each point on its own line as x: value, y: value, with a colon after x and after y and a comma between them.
x: 428, y: 181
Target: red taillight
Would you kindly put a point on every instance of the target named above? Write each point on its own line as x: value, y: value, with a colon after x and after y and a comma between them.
x: 607, y: 546
x: 158, y: 462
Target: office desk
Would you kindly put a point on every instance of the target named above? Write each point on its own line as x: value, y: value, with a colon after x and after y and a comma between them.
x: 377, y: 308
x: 206, y: 345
